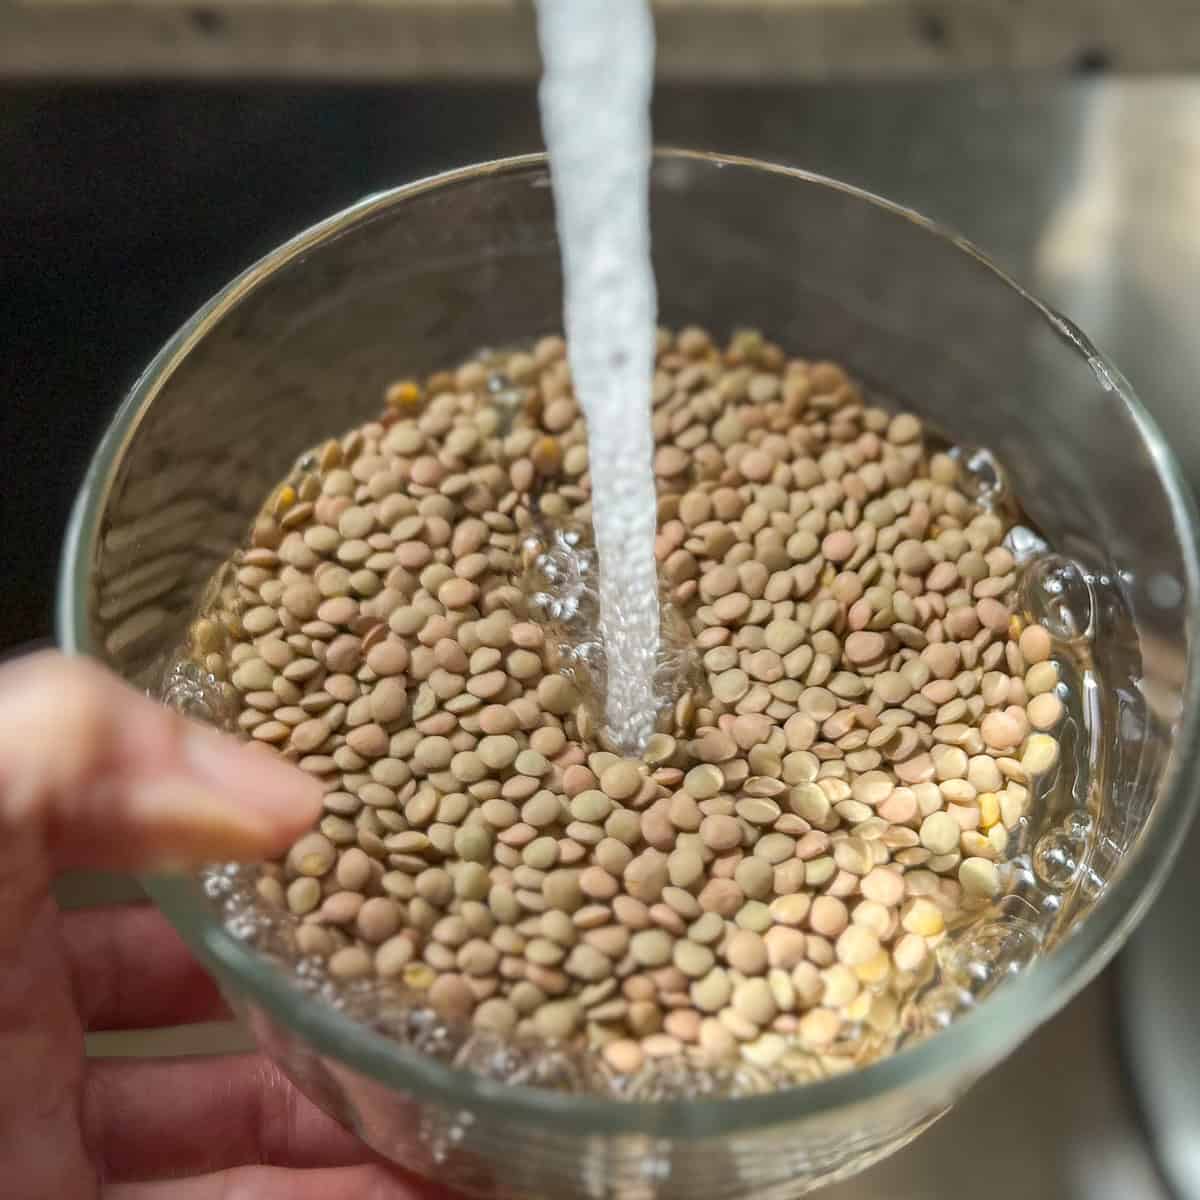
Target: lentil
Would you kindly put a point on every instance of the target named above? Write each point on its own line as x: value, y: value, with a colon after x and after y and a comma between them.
x: 869, y: 713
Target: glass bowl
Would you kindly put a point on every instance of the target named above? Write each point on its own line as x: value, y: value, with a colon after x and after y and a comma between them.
x: 300, y: 347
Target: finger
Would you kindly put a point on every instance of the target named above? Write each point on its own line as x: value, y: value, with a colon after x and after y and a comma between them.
x: 94, y: 774
x: 131, y: 970
x: 152, y: 1117
x: 279, y: 1183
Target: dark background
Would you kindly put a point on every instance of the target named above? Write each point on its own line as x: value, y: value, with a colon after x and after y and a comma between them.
x: 124, y: 208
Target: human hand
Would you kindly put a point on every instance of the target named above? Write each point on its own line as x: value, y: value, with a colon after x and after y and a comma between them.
x: 94, y: 775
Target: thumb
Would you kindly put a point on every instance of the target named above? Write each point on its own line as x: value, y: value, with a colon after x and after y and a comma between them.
x: 94, y: 774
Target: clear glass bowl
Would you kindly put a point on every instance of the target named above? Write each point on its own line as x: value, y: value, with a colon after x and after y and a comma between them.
x: 300, y: 346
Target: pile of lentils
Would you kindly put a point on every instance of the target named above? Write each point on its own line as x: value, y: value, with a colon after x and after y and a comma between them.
x: 772, y: 876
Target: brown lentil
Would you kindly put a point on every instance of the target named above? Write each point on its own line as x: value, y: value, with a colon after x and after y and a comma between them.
x: 869, y: 714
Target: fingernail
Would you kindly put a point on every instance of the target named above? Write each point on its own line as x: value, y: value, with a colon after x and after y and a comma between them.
x: 257, y: 779
x: 178, y: 821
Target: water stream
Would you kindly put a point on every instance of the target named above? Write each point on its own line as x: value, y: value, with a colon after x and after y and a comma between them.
x: 595, y: 102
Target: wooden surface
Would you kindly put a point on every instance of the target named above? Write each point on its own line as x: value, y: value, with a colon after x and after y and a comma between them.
x: 743, y: 40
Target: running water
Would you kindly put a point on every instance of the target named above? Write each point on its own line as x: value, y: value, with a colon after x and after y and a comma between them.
x: 595, y: 103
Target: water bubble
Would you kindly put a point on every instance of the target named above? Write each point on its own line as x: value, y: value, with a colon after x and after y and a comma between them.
x: 1024, y: 544
x: 657, y: 1165
x: 243, y: 926
x: 562, y: 582
x: 983, y: 479
x: 991, y: 952
x: 1058, y: 594
x: 939, y: 1006
x: 216, y: 886
x: 1079, y: 825
x: 590, y: 655
x: 192, y: 691
x: 1058, y: 856
x: 552, y: 1067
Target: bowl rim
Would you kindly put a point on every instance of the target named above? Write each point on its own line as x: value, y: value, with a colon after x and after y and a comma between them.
x: 944, y: 1064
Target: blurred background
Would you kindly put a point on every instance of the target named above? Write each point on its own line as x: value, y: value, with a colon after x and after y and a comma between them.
x: 150, y: 149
